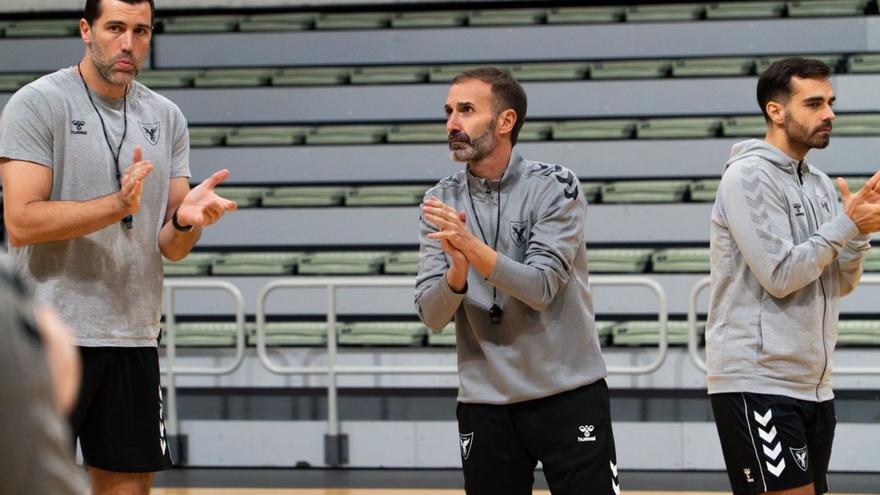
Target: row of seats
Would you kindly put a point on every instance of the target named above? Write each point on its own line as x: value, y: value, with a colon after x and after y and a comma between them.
x: 602, y: 260
x: 300, y: 21
x: 409, y: 334
x: 573, y: 130
x: 411, y: 74
x: 613, y: 192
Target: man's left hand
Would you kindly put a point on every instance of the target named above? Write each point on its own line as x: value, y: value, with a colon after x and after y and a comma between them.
x: 202, y: 206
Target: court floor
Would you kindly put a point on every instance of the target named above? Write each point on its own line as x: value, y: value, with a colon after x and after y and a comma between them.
x: 352, y: 481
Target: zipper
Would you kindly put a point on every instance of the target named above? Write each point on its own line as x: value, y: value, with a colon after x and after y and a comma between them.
x: 821, y: 284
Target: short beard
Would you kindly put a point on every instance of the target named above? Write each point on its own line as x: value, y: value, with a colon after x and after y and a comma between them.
x: 799, y: 135
x: 104, y: 66
x: 474, y: 149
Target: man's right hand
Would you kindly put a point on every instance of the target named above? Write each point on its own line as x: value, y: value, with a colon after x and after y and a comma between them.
x: 132, y: 182
x: 456, y: 276
x: 863, y: 207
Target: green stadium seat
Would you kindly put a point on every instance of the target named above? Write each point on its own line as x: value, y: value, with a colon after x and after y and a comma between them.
x: 194, y: 264
x: 402, y: 263
x: 347, y: 134
x: 618, y: 260
x: 445, y: 73
x: 342, y: 263
x: 360, y: 20
x: 14, y: 82
x: 43, y: 28
x: 664, y: 13
x: 305, y: 196
x: 648, y: 332
x: 277, y: 22
x: 428, y: 19
x: 858, y: 332
x: 872, y: 260
x: 418, y: 133
x: 201, y: 334
x: 444, y: 338
x: 644, y: 191
x: 584, y: 15
x: 689, y: 127
x: 207, y: 136
x: 316, y: 76
x: 550, y: 71
x: 224, y: 78
x: 630, y: 69
x: 704, y: 190
x: 826, y: 8
x: 830, y: 60
x: 164, y: 79
x: 244, y: 197
x: 534, y: 131
x: 750, y: 126
x: 385, y: 195
x: 856, y: 125
x: 863, y: 63
x: 382, y: 333
x: 591, y: 190
x: 271, y: 263
x: 744, y: 10
x: 691, y: 260
x: 593, y: 129
x: 389, y: 75
x: 714, y: 67
x: 291, y: 333
x: 506, y: 17
x: 267, y: 136
x: 200, y: 24
x: 604, y: 329
x: 4, y: 25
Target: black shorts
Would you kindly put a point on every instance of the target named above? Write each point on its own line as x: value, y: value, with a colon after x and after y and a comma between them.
x: 773, y: 442
x: 570, y: 433
x: 119, y: 415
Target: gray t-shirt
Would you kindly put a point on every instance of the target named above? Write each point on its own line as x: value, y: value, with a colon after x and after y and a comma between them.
x: 36, y: 456
x: 106, y: 285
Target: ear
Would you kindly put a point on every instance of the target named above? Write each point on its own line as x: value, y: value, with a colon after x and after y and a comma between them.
x: 85, y: 31
x: 776, y: 111
x: 506, y: 120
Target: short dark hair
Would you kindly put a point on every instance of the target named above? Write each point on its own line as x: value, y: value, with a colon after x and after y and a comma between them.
x: 775, y: 82
x: 506, y: 93
x: 93, y: 9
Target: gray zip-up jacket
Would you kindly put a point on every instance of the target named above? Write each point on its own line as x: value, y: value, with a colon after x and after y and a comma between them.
x: 546, y: 342
x: 783, y: 253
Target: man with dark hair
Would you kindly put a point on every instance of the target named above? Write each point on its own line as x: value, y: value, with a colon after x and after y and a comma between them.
x: 783, y: 253
x: 93, y: 10
x: 502, y: 250
x: 89, y: 233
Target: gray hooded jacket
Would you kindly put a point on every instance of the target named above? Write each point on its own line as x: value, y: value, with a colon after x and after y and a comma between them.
x: 783, y: 253
x: 546, y: 342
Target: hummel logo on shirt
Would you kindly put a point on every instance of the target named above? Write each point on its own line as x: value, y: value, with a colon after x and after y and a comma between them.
x: 587, y: 432
x: 77, y: 127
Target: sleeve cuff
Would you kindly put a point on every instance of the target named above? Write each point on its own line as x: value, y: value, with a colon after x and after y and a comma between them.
x: 501, y: 269
x: 845, y: 228
x: 449, y: 295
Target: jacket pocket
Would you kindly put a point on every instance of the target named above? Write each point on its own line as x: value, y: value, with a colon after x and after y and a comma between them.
x: 789, y: 346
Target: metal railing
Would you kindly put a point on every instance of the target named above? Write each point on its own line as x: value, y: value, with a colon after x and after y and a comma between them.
x: 171, y: 371
x: 693, y: 344
x: 332, y: 370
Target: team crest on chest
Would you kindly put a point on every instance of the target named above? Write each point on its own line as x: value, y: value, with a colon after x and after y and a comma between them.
x: 151, y: 131
x: 518, y: 232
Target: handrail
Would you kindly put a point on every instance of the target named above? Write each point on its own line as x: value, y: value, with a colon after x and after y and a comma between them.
x: 171, y: 286
x: 692, y: 331
x: 332, y: 370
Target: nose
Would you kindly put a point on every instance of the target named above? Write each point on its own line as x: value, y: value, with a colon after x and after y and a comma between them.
x: 829, y: 114
x: 452, y: 123
x: 127, y: 41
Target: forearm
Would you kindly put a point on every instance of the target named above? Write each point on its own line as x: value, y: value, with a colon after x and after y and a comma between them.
x: 479, y: 255
x: 436, y: 302
x: 48, y: 221
x: 851, y: 263
x: 175, y: 244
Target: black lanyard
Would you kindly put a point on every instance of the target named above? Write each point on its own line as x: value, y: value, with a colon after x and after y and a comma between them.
x: 495, y: 312
x: 128, y: 221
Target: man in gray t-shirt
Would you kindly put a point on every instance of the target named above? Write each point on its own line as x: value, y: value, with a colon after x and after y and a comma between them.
x: 88, y: 228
